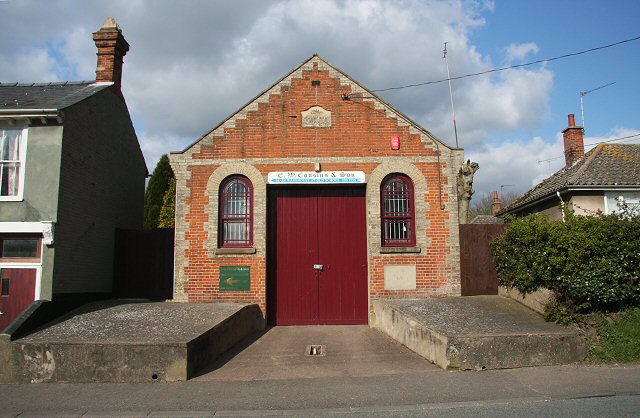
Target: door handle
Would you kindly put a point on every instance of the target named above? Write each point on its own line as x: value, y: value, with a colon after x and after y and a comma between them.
x: 318, y: 267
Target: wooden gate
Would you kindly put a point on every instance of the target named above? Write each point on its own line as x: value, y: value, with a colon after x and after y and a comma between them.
x: 317, y: 256
x: 477, y: 269
x: 18, y: 291
x: 144, y: 264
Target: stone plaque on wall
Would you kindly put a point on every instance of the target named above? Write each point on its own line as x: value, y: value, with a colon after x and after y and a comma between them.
x: 400, y: 277
x: 316, y: 117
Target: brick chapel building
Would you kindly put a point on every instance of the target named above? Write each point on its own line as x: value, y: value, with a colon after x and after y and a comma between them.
x: 313, y: 200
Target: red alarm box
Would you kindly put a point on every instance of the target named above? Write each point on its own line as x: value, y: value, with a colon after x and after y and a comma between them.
x: 395, y: 142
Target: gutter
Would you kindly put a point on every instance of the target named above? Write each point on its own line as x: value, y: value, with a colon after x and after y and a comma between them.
x: 553, y: 195
x: 544, y: 198
x: 17, y: 114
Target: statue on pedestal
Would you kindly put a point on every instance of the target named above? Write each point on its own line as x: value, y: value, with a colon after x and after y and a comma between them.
x: 465, y: 189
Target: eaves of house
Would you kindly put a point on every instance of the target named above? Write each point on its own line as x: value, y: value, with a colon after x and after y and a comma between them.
x: 605, y: 167
x: 44, y: 100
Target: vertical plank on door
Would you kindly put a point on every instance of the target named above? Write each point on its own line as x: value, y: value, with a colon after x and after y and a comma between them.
x: 342, y: 249
x: 296, y: 242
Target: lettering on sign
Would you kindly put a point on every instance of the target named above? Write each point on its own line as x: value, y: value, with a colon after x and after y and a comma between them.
x: 311, y: 177
x: 316, y: 117
x: 235, y: 278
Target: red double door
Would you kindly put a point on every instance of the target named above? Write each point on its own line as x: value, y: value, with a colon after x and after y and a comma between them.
x: 317, y: 256
x: 17, y: 291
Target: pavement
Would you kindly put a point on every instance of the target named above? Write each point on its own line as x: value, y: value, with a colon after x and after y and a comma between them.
x: 348, y: 351
x: 363, y: 373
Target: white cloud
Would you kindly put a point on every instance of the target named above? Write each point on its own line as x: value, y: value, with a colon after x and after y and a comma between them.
x: 515, y: 99
x: 380, y: 44
x: 521, y: 163
x: 518, y: 52
x: 617, y: 135
x: 78, y: 54
x: 28, y: 66
x: 191, y: 67
x: 525, y: 163
x: 153, y: 146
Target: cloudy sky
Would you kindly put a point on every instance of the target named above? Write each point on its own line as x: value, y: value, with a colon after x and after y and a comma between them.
x: 193, y: 63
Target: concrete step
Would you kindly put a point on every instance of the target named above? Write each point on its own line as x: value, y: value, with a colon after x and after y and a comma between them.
x: 478, y: 332
x: 122, y: 341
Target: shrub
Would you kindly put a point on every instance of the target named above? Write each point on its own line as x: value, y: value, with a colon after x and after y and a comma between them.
x: 156, y: 189
x: 591, y: 263
x: 168, y: 211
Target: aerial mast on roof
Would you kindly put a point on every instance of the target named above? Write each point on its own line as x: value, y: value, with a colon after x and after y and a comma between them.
x: 455, y: 128
x: 503, y: 186
x: 584, y: 93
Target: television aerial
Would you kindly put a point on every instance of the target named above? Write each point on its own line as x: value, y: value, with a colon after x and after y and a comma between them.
x: 584, y: 93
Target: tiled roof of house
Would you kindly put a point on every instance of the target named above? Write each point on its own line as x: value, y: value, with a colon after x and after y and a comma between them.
x: 36, y: 96
x: 487, y: 220
x: 605, y: 166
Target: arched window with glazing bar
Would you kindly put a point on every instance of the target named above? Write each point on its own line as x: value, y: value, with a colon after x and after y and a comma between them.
x: 236, y: 213
x: 397, y: 211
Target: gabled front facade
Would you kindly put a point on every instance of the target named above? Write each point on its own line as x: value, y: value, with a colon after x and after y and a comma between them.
x: 313, y: 200
x: 71, y: 172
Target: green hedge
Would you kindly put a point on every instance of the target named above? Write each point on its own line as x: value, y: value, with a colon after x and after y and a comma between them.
x: 591, y: 263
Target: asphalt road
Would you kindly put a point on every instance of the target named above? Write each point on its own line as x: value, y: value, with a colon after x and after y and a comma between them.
x: 541, y: 391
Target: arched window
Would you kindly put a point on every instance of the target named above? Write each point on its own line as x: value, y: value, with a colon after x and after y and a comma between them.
x: 397, y: 211
x: 236, y: 212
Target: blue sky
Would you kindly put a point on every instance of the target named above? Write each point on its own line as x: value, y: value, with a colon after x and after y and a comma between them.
x: 194, y: 62
x: 560, y: 27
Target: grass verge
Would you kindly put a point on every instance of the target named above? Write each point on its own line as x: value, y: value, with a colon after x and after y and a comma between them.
x: 613, y: 337
x: 617, y: 337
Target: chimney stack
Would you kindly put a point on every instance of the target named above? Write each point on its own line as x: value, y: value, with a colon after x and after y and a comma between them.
x: 573, y: 142
x: 496, y: 206
x: 112, y: 47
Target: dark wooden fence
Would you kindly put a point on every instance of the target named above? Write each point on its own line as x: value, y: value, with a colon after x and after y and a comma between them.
x: 144, y: 264
x: 477, y: 270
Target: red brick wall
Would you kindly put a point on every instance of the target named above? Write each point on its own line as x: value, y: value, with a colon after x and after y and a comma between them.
x: 275, y: 129
x: 271, y: 138
x: 573, y: 144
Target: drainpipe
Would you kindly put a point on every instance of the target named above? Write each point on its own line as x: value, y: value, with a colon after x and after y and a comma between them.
x: 562, y: 207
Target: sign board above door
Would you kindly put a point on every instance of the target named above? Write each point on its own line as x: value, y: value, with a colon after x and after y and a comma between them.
x: 311, y: 177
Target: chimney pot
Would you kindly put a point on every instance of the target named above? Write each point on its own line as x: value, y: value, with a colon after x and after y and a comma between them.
x: 112, y: 47
x: 496, y: 206
x: 573, y: 142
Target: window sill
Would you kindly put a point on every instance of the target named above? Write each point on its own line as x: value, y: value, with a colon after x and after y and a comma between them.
x: 400, y: 250
x: 233, y: 251
x: 11, y: 199
x: 29, y: 260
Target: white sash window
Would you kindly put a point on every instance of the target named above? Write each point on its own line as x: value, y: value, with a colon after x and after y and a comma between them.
x: 13, y: 144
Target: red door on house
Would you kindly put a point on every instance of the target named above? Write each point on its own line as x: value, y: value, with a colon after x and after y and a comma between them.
x: 17, y: 291
x: 317, y: 256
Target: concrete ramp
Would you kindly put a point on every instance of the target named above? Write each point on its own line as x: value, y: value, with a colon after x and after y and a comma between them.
x: 125, y: 341
x: 478, y: 332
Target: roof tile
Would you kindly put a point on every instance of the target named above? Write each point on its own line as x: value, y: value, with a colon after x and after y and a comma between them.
x: 32, y: 96
x: 605, y: 165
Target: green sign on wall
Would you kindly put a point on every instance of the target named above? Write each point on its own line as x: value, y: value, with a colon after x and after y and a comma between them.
x: 235, y: 278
